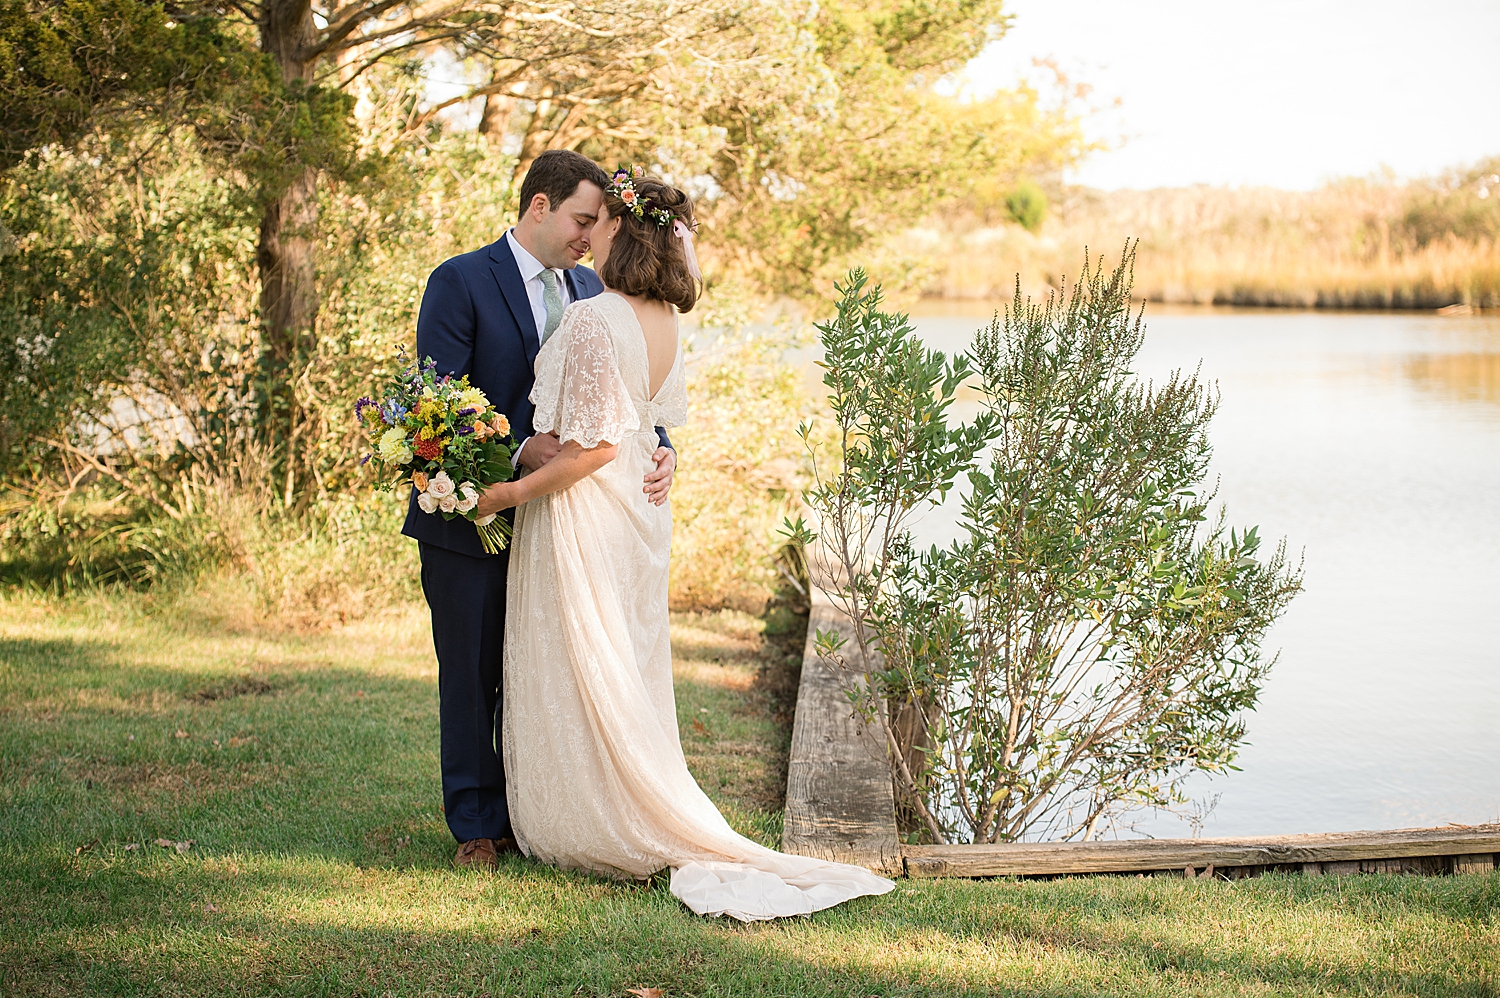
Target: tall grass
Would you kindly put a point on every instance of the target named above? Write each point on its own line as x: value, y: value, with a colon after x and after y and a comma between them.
x: 1353, y: 244
x: 240, y: 553
x: 742, y: 469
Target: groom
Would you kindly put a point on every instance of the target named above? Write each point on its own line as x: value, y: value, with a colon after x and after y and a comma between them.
x: 486, y: 314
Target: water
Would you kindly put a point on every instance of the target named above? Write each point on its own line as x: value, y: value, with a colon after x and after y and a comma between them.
x: 1372, y: 443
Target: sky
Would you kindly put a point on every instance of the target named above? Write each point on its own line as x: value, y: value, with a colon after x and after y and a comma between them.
x: 1283, y: 93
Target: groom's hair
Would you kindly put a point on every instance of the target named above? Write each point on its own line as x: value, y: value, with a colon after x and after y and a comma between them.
x: 557, y: 174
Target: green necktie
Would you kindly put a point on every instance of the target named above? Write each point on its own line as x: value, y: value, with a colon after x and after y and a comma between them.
x: 552, y: 301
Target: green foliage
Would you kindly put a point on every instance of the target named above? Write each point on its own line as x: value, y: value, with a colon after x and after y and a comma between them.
x: 151, y: 144
x: 1090, y: 640
x: 824, y: 133
x: 1462, y: 206
x: 1026, y: 205
x: 59, y: 62
x: 132, y: 66
x: 141, y: 368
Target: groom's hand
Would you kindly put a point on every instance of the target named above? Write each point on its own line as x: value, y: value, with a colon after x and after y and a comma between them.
x: 660, y: 480
x: 537, y: 450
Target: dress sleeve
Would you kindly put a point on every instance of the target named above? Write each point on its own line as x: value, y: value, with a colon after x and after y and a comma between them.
x: 580, y: 393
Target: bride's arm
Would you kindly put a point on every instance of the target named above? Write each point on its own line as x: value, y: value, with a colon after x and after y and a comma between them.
x: 572, y: 464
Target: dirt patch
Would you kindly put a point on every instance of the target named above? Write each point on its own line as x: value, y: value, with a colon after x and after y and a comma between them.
x: 172, y: 778
x: 243, y: 686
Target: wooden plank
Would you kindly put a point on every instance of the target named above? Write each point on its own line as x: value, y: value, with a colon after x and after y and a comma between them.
x: 1135, y: 855
x: 839, y: 803
x: 1473, y: 863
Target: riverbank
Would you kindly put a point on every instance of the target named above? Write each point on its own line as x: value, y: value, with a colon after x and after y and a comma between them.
x: 293, y: 777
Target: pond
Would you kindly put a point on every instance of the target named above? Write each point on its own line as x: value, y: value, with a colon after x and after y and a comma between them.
x: 1371, y: 442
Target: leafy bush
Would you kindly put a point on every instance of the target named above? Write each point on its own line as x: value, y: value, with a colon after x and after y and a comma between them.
x: 1026, y: 205
x: 1091, y: 639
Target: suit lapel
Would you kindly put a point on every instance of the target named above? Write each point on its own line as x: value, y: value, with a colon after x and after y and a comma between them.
x: 579, y: 287
x: 508, y: 276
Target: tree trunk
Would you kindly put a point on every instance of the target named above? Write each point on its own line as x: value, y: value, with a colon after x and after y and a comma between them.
x: 534, y: 142
x: 494, y: 123
x: 288, y: 268
x: 288, y: 289
x: 286, y: 255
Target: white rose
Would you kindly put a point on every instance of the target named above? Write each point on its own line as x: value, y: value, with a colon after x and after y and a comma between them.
x: 465, y: 504
x: 426, y: 501
x: 393, y: 448
x: 440, y: 486
x: 468, y: 491
x: 448, y: 504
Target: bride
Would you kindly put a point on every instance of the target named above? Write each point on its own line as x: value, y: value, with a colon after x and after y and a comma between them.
x: 596, y: 778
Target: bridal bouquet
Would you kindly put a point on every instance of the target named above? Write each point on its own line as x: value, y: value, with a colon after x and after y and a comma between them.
x: 442, y: 435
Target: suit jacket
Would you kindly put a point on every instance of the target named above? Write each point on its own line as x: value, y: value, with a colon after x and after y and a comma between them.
x: 476, y: 320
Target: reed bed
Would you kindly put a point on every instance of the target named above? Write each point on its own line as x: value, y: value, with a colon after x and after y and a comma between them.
x: 1356, y: 244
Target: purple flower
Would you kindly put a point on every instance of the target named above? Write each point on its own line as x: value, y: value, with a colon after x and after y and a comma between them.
x: 365, y: 402
x: 393, y: 412
x: 464, y: 431
x: 364, y: 460
x: 467, y: 412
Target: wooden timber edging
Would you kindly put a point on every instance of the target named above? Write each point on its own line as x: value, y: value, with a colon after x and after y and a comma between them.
x: 840, y: 806
x: 839, y: 802
x: 1455, y: 849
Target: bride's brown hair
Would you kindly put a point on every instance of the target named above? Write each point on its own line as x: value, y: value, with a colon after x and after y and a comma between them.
x: 647, y: 259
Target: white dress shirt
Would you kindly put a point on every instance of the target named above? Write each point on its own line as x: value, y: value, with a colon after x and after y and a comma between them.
x: 531, y: 276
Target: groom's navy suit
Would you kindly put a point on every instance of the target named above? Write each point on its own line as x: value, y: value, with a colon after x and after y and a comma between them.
x: 476, y: 320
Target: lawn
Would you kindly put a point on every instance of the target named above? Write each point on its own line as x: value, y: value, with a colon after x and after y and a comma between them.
x: 295, y: 779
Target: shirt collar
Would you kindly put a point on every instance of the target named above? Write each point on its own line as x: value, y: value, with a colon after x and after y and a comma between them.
x: 529, y: 265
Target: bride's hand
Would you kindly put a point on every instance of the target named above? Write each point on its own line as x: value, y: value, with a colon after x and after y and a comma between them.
x: 499, y: 496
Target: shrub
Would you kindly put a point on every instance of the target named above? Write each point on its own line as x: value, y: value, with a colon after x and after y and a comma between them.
x: 1091, y: 639
x: 1026, y: 205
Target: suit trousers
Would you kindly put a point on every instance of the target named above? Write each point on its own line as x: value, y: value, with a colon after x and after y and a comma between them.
x: 466, y: 596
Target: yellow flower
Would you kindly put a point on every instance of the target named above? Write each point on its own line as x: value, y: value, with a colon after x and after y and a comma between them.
x: 473, y: 398
x: 393, y: 447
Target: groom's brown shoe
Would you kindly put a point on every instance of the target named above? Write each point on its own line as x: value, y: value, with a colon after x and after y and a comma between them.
x: 477, y: 852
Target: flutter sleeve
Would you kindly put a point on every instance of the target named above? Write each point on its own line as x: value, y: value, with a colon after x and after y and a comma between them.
x: 580, y: 393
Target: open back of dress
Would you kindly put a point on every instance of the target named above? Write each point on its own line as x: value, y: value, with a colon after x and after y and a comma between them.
x: 596, y: 778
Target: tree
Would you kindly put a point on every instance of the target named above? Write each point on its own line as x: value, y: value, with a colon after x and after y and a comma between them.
x: 1091, y: 639
x: 805, y: 130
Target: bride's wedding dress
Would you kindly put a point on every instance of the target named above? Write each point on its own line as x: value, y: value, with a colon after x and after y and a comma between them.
x: 594, y: 769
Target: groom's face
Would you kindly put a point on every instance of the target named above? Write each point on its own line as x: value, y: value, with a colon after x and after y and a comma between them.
x: 562, y: 235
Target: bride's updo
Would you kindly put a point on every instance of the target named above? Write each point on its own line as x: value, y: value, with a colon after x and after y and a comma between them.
x: 647, y: 259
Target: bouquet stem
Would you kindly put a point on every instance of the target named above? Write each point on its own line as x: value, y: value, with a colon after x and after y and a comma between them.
x: 494, y: 534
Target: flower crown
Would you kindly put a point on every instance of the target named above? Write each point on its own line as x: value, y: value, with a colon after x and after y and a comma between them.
x: 622, y: 186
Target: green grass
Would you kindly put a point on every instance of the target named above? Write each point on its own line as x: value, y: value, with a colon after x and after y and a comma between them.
x: 306, y: 777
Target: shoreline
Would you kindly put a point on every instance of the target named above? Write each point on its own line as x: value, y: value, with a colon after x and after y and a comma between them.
x: 937, y: 306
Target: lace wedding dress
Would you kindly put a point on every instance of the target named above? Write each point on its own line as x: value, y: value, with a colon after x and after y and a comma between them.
x: 594, y: 769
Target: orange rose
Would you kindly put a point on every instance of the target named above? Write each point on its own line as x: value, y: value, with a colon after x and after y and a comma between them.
x: 500, y: 424
x: 419, y: 479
